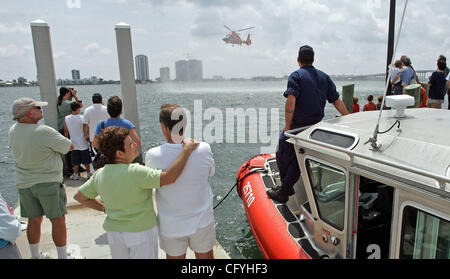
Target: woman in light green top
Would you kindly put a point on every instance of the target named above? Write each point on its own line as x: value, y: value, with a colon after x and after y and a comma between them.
x: 126, y: 192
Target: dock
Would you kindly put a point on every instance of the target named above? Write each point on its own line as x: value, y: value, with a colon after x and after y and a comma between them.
x: 85, y: 234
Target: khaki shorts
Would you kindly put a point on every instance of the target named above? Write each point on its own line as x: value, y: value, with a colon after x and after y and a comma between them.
x: 202, y: 241
x: 47, y: 199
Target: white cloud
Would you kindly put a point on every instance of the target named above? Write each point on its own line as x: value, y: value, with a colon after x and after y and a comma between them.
x: 59, y: 54
x: 14, y: 28
x: 11, y: 50
x: 94, y: 48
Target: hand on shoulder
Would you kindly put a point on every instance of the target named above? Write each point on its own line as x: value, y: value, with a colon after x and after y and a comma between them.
x: 190, y: 144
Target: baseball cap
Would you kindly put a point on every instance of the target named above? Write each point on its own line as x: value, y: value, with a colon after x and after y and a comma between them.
x: 22, y: 105
x: 96, y: 97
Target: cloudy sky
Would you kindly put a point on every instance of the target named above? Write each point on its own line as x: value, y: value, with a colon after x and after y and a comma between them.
x: 349, y: 36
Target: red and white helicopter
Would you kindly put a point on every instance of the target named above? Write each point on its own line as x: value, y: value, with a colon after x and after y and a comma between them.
x: 234, y: 39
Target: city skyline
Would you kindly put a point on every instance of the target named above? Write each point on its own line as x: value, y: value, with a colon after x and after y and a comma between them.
x: 348, y: 37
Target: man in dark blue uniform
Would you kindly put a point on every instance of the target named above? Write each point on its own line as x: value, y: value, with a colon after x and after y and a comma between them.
x: 307, y: 91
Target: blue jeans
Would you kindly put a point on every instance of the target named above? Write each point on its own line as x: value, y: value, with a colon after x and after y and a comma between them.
x: 397, y: 89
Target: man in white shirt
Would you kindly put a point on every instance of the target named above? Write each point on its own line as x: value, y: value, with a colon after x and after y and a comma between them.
x: 185, y: 208
x: 93, y: 115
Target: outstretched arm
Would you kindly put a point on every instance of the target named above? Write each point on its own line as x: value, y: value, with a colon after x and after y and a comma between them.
x: 340, y: 106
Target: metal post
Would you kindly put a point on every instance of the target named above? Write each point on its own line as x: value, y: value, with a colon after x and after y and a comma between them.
x: 127, y: 80
x: 347, y: 96
x: 390, y: 50
x: 46, y: 70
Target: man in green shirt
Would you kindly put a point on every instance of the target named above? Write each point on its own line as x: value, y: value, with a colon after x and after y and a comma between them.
x: 37, y: 153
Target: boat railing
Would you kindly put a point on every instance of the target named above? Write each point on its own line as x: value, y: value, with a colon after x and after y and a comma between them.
x: 440, y: 179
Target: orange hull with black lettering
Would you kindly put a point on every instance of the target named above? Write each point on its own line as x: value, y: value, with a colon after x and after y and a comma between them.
x: 268, y: 226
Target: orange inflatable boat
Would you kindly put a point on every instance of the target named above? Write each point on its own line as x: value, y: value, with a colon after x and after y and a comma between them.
x: 276, y: 229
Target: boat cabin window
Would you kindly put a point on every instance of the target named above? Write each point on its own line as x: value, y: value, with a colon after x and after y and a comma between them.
x: 328, y: 186
x: 424, y: 236
x: 333, y: 138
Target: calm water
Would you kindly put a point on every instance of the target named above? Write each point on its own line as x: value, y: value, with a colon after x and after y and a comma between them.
x: 233, y: 231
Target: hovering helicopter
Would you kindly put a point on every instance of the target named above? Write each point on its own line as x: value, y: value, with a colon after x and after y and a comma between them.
x: 234, y: 38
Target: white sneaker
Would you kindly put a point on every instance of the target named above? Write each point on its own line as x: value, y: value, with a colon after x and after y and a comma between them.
x: 74, y: 257
x: 75, y: 176
x: 43, y: 255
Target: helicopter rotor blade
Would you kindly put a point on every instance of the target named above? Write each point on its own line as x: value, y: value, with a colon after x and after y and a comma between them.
x: 227, y: 28
x: 244, y: 29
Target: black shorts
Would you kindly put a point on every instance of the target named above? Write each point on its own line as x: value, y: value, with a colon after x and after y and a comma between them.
x: 81, y: 157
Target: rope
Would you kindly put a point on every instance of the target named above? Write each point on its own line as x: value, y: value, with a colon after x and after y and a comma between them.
x: 239, y: 180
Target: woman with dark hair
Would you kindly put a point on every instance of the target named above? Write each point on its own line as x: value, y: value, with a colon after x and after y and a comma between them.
x: 63, y: 107
x: 64, y: 100
x: 126, y: 192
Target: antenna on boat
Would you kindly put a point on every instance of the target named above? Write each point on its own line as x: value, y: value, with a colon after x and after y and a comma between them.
x: 373, y: 140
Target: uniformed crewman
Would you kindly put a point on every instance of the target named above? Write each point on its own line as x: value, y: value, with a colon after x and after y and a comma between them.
x: 306, y: 93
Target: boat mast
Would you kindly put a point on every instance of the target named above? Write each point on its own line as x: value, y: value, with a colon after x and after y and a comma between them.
x: 390, y: 49
x: 373, y: 140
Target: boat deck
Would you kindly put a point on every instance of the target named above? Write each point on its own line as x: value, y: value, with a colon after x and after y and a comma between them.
x: 85, y: 234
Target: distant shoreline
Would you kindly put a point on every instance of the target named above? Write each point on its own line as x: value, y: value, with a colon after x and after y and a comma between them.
x: 261, y: 78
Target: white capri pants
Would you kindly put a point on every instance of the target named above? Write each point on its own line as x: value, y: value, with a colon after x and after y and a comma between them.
x: 134, y: 245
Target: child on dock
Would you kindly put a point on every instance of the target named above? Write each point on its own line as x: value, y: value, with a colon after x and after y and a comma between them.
x: 73, y: 126
x: 355, y: 107
x: 379, y: 101
x: 396, y: 69
x: 370, y: 105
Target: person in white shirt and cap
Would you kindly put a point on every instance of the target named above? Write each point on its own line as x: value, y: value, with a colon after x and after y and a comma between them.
x: 185, y: 208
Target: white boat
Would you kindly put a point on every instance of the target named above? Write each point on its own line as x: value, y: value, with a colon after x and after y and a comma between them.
x: 357, y: 201
x: 362, y: 193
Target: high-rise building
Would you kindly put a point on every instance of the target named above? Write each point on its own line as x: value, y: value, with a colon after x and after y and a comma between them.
x: 76, y: 74
x: 141, y: 67
x: 181, y: 70
x: 189, y: 70
x: 164, y: 74
x: 195, y: 70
